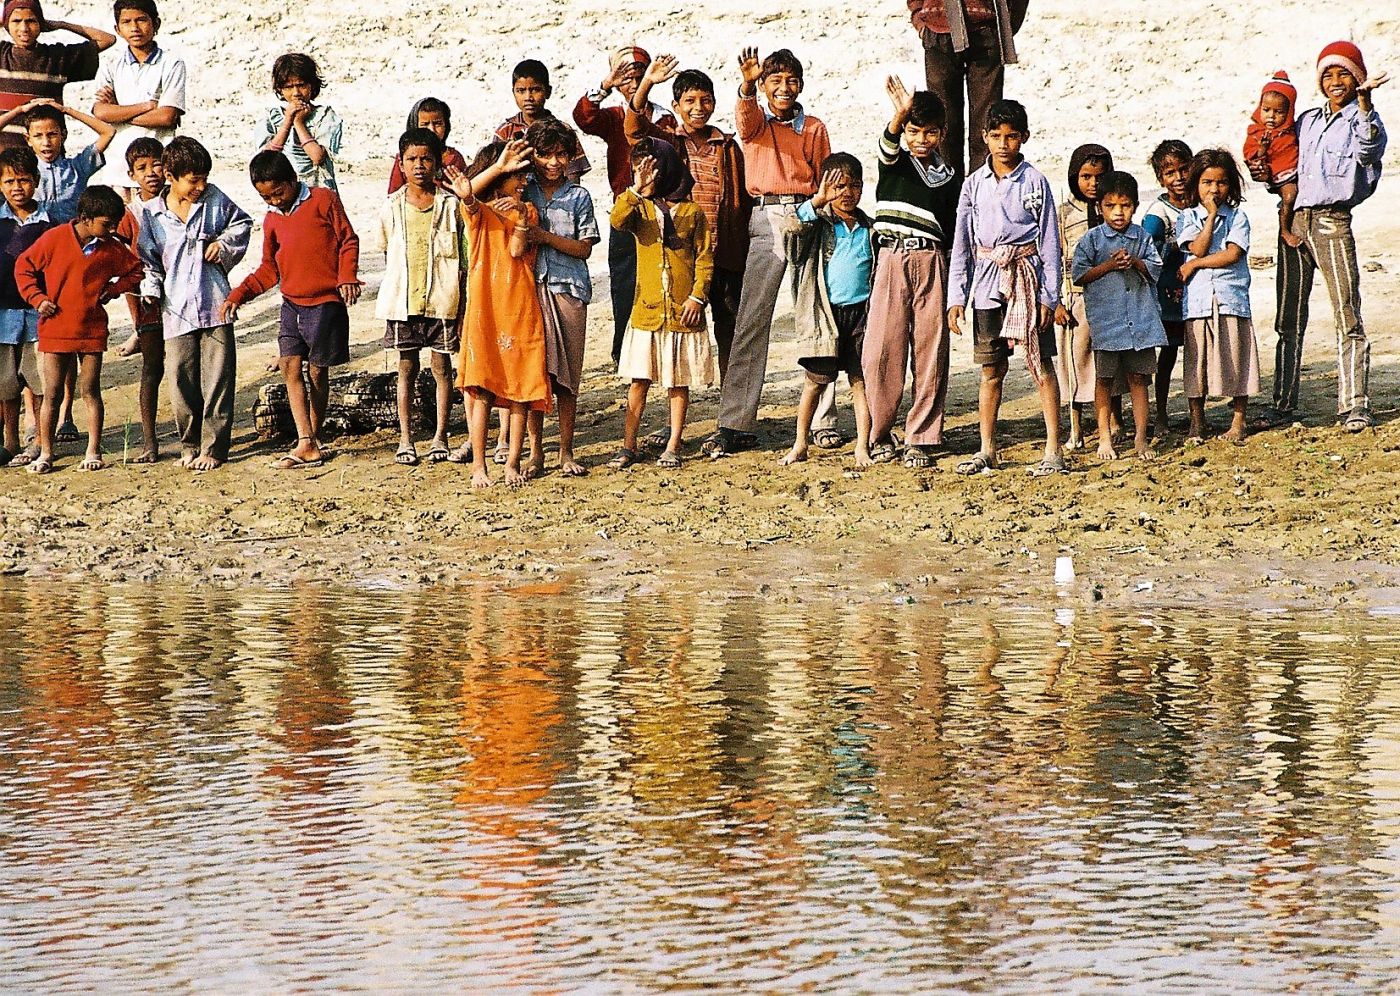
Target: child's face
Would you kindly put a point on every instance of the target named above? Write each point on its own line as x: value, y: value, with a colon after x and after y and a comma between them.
x: 1089, y: 178
x: 530, y: 95
x: 1118, y: 211
x: 1273, y: 109
x: 1339, y: 85
x: 24, y: 27
x: 435, y: 122
x: 551, y: 165
x: 96, y: 228
x: 1004, y: 144
x: 1173, y: 176
x: 419, y: 166
x: 782, y: 89
x: 1214, y: 186
x: 922, y: 141
x: 190, y: 187
x: 512, y: 185
x: 149, y: 175
x: 295, y: 90
x: 137, y: 28
x: 845, y: 194
x: 694, y: 108
x: 629, y: 78
x: 280, y: 194
x: 18, y: 189
x: 46, y: 138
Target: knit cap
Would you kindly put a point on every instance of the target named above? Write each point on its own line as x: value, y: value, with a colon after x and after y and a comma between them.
x: 14, y: 5
x: 1344, y: 54
x: 1281, y: 84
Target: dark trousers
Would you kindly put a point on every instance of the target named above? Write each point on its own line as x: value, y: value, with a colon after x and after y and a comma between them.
x: 725, y: 288
x: 979, y: 71
x: 622, y: 283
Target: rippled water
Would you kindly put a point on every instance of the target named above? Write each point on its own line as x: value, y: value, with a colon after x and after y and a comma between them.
x: 310, y: 789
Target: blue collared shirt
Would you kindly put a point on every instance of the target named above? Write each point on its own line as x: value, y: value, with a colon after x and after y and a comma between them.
x: 1339, y: 156
x: 1016, y: 210
x: 62, y: 181
x: 303, y: 192
x: 568, y: 214
x: 1160, y: 221
x: 172, y: 250
x: 849, y: 268
x: 1121, y: 305
x: 19, y: 324
x: 1229, y: 286
x: 797, y: 122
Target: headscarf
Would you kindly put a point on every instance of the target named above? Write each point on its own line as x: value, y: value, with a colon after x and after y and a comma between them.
x: 413, y: 115
x: 673, y: 182
x: 629, y: 55
x: 1077, y: 159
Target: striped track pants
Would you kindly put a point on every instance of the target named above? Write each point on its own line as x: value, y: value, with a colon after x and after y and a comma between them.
x: 1329, y: 246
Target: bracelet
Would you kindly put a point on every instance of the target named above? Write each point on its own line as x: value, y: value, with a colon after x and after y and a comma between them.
x: 697, y: 300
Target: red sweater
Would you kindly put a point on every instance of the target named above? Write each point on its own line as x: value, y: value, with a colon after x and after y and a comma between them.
x: 311, y: 251
x: 56, y: 269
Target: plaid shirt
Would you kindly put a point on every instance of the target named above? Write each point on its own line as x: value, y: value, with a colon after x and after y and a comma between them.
x: 932, y: 15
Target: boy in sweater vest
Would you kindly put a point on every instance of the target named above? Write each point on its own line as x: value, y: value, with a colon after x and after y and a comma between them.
x: 311, y: 249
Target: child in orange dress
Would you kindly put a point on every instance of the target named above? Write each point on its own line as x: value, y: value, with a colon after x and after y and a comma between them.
x: 502, y: 363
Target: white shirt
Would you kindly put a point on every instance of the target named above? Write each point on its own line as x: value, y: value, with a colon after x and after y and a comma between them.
x: 160, y: 78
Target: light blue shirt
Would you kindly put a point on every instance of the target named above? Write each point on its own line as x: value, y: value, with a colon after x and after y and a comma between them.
x: 1121, y: 305
x: 18, y: 325
x: 325, y: 127
x: 849, y: 268
x: 1016, y: 210
x: 62, y: 181
x: 1229, y: 287
x: 568, y: 214
x: 1339, y: 156
x: 191, y: 289
x: 1159, y: 221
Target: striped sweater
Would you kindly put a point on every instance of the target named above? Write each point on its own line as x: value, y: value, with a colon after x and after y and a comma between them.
x: 911, y: 200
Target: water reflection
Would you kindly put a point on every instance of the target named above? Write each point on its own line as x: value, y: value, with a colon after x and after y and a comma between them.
x: 254, y: 790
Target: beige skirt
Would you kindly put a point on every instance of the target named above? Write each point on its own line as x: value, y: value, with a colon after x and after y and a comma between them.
x: 670, y: 359
x: 1074, y: 361
x: 1220, y: 358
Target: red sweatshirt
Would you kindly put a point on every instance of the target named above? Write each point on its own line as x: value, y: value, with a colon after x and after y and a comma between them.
x: 311, y: 252
x: 55, y: 268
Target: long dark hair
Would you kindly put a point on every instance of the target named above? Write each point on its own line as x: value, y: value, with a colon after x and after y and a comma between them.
x: 1215, y: 159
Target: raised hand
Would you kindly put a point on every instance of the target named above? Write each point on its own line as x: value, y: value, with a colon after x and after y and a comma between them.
x: 1374, y: 82
x: 644, y: 173
x: 515, y: 156
x: 459, y: 183
x: 662, y: 68
x: 749, y: 65
x: 826, y: 189
x: 900, y: 97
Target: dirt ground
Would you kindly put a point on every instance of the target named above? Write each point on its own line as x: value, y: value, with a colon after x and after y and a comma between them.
x: 1301, y: 515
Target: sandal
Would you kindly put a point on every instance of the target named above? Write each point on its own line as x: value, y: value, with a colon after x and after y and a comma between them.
x: 66, y: 433
x: 828, y: 439
x: 406, y: 456
x: 624, y: 458
x: 882, y: 452
x: 721, y: 444
x: 658, y: 440
x: 978, y: 463
x: 1050, y: 466
x: 500, y: 457
x: 1359, y: 421
x: 438, y: 454
x: 918, y: 457
x: 670, y: 460
x: 92, y: 463
x: 40, y: 465
x: 462, y: 454
x: 290, y: 461
x: 25, y: 456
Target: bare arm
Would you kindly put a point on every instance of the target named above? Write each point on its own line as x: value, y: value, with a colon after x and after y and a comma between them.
x: 577, y: 248
x: 97, y: 36
x: 1200, y: 245
x: 105, y: 132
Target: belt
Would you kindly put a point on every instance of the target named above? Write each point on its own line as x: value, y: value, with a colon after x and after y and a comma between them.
x: 912, y: 243
x: 768, y: 200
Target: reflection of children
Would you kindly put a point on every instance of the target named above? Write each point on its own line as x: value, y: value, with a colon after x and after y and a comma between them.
x: 829, y: 247
x: 436, y: 116
x: 1005, y: 265
x: 22, y: 222
x: 1074, y: 360
x: 1222, y: 358
x: 1117, y: 265
x: 503, y: 362
x: 308, y: 133
x: 666, y: 340
x: 1171, y: 161
x: 529, y: 85
x: 1271, y: 148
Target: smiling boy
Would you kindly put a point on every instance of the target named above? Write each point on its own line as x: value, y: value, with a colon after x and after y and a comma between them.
x: 530, y: 89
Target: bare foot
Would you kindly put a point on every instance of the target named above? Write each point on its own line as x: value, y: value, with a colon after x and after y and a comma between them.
x: 535, y: 468
x: 1237, y: 433
x: 187, y: 457
x: 795, y: 455
x: 1161, y: 429
x: 570, y: 467
x: 271, y: 366
x: 514, y: 478
x: 481, y: 479
x: 131, y: 347
x: 1195, y: 434
x: 863, y: 457
x: 204, y: 462
x: 1145, y: 452
x: 1075, y: 442
x: 1106, y: 450
x: 149, y: 455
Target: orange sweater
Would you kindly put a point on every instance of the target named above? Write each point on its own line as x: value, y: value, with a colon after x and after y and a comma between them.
x: 777, y: 160
x: 56, y: 269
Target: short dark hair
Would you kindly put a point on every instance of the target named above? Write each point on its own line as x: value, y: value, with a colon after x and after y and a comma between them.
x: 1172, y: 148
x: 186, y: 157
x: 45, y: 112
x: 845, y: 163
x: 144, y: 147
x: 100, y: 202
x: 431, y: 105
x: 1215, y: 159
x: 271, y: 166
x: 691, y: 79
x: 147, y: 7
x: 424, y: 137
x: 927, y: 110
x: 530, y: 69
x: 484, y: 160
x: 298, y: 66
x: 781, y: 61
x: 1121, y: 184
x: 1008, y: 112
x: 551, y: 135
x: 21, y: 160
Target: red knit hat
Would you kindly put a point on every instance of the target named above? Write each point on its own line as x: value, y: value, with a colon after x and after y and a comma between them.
x: 14, y: 5
x: 1282, y: 85
x: 1344, y: 54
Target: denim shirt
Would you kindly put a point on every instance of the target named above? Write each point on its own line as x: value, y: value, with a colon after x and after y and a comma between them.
x: 62, y: 181
x: 1121, y: 305
x: 1339, y: 156
x: 569, y: 214
x: 1229, y: 286
x: 172, y: 250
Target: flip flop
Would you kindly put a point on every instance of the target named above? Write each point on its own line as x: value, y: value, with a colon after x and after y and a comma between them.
x: 500, y: 457
x: 290, y: 461
x: 828, y: 439
x: 1050, y: 466
x: 40, y: 465
x: 462, y: 454
x: 918, y: 458
x: 658, y: 440
x: 406, y: 456
x: 438, y: 454
x: 978, y: 463
x: 882, y: 453
x: 624, y: 458
x: 1359, y: 421
x: 67, y: 433
x: 670, y: 460
x: 92, y: 463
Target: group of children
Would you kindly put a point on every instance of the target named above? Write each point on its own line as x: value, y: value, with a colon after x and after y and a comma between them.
x: 486, y: 262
